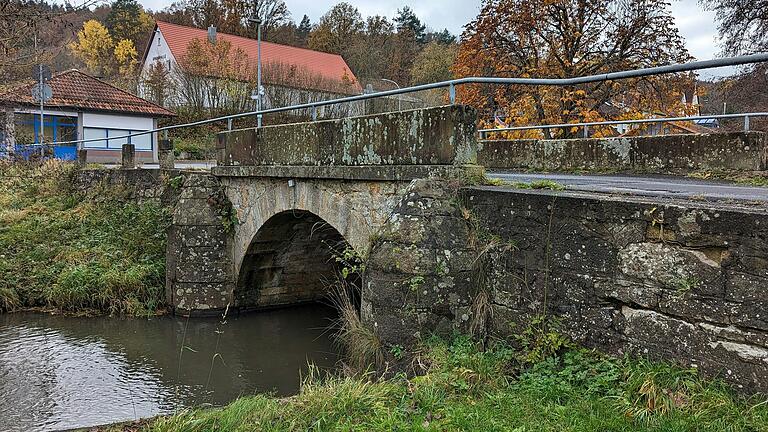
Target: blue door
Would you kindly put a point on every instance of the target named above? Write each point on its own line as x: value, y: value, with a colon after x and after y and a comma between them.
x: 56, y: 128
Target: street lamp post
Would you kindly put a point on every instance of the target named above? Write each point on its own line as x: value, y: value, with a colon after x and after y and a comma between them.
x: 399, y: 100
x: 259, y: 93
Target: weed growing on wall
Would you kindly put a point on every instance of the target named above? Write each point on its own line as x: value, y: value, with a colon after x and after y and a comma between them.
x: 76, y: 252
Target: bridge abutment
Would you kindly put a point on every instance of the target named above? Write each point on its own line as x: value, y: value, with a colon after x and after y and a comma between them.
x: 199, y: 278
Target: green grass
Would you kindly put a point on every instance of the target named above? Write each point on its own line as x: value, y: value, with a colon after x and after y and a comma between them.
x: 464, y: 388
x: 100, y: 253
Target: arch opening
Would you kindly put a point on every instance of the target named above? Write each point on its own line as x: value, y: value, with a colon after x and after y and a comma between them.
x: 291, y: 260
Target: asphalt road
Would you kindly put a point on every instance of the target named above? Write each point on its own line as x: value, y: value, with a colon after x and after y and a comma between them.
x: 656, y: 186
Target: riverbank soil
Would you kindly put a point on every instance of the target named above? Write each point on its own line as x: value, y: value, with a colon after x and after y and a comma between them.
x: 75, y: 251
x: 462, y: 387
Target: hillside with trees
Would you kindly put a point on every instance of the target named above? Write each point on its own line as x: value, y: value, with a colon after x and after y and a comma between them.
x: 522, y: 38
x: 108, y: 39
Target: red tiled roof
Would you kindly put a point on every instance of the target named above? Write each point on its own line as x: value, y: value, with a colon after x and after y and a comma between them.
x: 326, y: 65
x: 78, y: 90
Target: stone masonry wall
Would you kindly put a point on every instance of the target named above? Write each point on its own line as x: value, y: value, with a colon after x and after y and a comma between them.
x: 734, y: 151
x: 419, y: 276
x: 199, y: 275
x: 682, y: 282
x: 138, y: 184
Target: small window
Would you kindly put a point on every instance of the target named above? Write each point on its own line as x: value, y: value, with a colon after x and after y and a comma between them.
x: 93, y: 133
x: 117, y: 143
x: 141, y: 142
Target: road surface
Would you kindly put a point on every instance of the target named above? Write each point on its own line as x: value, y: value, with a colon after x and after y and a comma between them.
x: 656, y: 186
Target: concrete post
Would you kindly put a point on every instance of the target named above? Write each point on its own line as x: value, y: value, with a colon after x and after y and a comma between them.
x: 10, y: 132
x: 82, y: 157
x: 166, y: 156
x: 129, y: 156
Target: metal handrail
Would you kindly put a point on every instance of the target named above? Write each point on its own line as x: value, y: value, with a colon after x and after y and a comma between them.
x: 451, y: 85
x: 746, y: 116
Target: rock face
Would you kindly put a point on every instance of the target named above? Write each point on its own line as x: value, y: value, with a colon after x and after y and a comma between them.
x: 680, y: 282
x: 733, y: 151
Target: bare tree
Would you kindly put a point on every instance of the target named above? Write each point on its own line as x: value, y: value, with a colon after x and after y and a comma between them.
x: 743, y: 24
x: 272, y: 13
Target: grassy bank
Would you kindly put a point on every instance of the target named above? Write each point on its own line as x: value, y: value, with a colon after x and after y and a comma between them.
x: 60, y: 249
x: 464, y: 388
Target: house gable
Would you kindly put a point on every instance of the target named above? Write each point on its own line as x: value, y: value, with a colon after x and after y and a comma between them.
x: 157, y: 50
x: 172, y: 40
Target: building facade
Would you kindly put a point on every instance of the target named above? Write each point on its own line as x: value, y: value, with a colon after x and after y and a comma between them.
x: 291, y: 75
x: 82, y: 108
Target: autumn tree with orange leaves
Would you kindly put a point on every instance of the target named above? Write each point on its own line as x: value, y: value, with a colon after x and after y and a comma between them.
x: 571, y: 38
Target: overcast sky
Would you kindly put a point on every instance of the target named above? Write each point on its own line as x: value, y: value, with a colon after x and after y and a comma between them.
x: 697, y: 26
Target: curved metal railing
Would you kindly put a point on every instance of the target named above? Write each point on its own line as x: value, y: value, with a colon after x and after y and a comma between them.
x: 451, y: 86
x: 585, y: 134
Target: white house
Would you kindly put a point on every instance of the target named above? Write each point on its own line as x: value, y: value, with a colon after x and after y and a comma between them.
x: 82, y: 107
x: 291, y: 75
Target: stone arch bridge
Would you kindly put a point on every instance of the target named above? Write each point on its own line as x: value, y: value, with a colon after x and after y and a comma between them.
x: 263, y: 230
x: 672, y: 278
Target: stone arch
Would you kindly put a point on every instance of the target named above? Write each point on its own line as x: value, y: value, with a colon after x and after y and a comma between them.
x: 355, y: 209
x: 290, y: 260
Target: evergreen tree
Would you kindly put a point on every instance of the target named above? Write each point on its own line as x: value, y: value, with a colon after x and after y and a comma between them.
x: 305, y: 26
x: 407, y: 19
x: 443, y: 37
x: 127, y: 20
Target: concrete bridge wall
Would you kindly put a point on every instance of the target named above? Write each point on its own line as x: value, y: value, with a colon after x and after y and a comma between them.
x: 733, y: 151
x: 680, y: 281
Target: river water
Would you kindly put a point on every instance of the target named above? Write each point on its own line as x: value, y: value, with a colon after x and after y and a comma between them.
x: 63, y: 372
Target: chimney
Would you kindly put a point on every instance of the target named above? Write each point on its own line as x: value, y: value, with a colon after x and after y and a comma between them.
x: 212, y: 34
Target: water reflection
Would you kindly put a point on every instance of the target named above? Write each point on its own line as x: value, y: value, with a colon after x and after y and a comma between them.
x: 62, y: 372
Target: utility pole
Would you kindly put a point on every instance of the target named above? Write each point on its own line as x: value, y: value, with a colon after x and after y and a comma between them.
x: 259, y: 91
x: 42, y: 102
x: 41, y: 133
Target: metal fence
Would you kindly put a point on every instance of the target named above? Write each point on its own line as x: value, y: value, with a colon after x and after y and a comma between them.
x: 451, y: 86
x: 585, y: 126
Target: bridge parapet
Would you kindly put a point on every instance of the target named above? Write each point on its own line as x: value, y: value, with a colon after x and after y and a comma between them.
x: 398, y: 145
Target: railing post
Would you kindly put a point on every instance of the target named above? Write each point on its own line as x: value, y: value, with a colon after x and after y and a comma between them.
x: 229, y: 124
x: 314, y: 113
x: 586, y: 131
x: 746, y: 123
x: 82, y: 158
x: 165, y: 154
x: 452, y: 93
x: 129, y: 156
